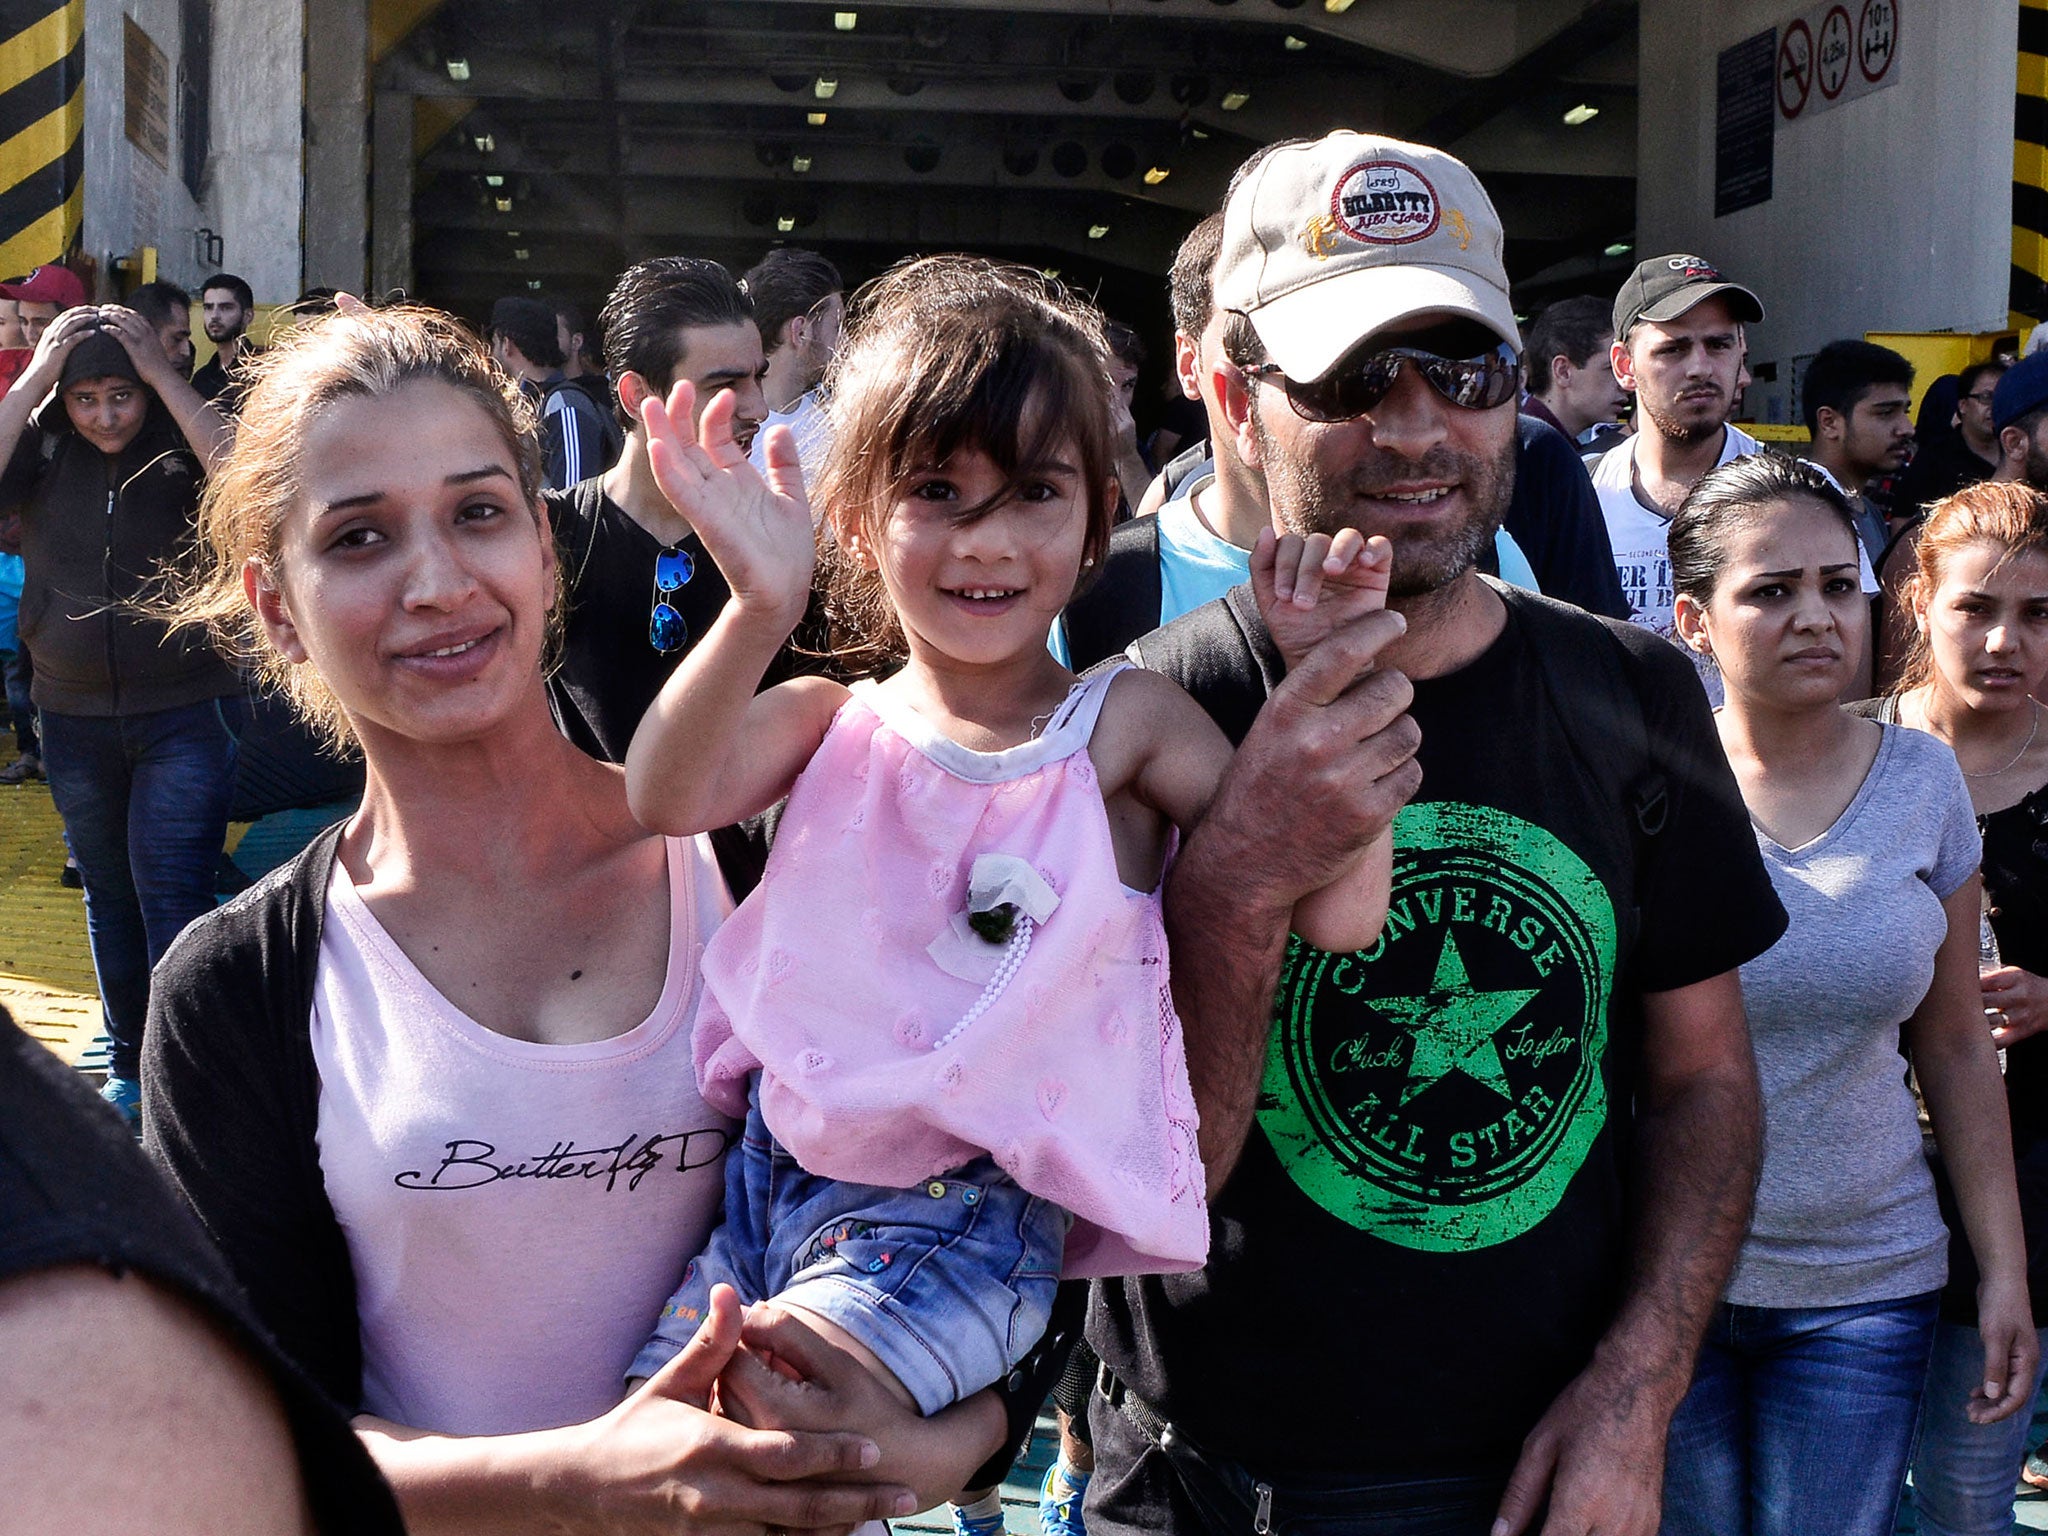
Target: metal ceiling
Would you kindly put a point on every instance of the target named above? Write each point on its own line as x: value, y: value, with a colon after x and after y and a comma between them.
x: 557, y: 142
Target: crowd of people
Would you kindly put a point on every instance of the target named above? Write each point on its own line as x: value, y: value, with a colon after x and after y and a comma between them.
x: 1519, y: 931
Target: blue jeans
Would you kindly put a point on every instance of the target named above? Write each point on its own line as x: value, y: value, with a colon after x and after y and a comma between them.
x: 1800, y: 1419
x: 949, y: 1282
x: 145, y: 805
x: 14, y: 667
x: 1963, y: 1473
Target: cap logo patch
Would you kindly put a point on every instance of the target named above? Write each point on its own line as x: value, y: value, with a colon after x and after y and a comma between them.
x: 1385, y: 202
x: 1691, y: 267
x: 1319, y: 236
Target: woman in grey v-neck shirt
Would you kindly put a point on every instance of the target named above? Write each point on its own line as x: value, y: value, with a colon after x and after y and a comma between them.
x: 1801, y: 1412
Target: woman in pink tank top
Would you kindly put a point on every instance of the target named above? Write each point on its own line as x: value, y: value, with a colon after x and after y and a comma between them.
x: 413, y: 1085
x: 945, y: 1012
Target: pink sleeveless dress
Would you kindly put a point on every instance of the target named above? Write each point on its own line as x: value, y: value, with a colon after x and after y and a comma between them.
x: 1058, y: 1053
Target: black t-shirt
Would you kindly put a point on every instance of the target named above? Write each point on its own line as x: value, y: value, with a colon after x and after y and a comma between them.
x: 1942, y: 467
x: 224, y: 387
x: 2016, y: 881
x: 1428, y: 1231
x: 75, y: 1190
x: 1555, y: 517
x: 610, y: 672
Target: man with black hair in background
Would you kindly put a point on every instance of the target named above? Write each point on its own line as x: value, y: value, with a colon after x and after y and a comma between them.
x: 1857, y: 399
x: 582, y: 370
x: 799, y: 304
x: 572, y: 428
x: 1951, y: 460
x: 1571, y: 377
x: 620, y: 538
x: 168, y: 309
x: 226, y: 306
x: 1126, y: 357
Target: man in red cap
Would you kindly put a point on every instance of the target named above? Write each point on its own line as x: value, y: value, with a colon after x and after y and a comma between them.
x: 44, y: 295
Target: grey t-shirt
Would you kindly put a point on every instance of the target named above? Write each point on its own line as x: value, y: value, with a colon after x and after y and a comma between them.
x: 1846, y: 1211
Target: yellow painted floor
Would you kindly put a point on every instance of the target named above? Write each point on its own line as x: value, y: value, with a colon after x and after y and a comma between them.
x: 46, y: 978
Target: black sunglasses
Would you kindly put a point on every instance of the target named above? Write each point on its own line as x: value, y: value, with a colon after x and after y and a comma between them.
x: 1355, y: 387
x: 666, y: 630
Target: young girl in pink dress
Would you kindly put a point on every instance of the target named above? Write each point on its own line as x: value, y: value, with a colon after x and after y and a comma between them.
x: 945, y: 1012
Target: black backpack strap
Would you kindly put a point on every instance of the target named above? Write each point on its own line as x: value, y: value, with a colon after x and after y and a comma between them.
x: 1612, y: 742
x: 1122, y: 602
x: 1221, y: 654
x: 1908, y: 531
x: 1177, y: 469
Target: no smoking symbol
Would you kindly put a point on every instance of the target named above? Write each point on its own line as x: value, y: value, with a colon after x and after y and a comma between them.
x: 1795, y: 69
x: 1877, y: 38
x: 1831, y: 54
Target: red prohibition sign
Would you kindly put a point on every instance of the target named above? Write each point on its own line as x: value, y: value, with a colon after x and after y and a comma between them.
x: 1795, y: 69
x: 1877, y: 38
x: 1831, y: 53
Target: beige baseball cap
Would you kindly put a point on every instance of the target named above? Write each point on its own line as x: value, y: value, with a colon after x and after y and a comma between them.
x: 1326, y: 242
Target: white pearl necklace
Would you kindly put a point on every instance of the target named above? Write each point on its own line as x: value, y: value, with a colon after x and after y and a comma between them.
x: 1013, y: 959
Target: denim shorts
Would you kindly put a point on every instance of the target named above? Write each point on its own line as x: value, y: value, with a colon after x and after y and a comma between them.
x: 949, y: 1282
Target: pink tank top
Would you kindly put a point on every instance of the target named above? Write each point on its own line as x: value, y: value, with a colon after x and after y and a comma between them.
x: 895, y: 1045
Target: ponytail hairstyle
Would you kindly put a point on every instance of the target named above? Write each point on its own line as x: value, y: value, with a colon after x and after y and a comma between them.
x: 1735, y: 493
x: 344, y: 355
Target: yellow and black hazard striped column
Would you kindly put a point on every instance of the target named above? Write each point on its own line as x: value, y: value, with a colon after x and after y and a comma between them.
x: 42, y: 121
x: 2030, y: 161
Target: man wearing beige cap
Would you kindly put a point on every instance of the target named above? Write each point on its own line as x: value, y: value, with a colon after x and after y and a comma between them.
x: 1497, y: 1165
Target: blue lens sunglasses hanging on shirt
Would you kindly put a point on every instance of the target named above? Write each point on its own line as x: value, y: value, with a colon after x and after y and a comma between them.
x: 666, y: 630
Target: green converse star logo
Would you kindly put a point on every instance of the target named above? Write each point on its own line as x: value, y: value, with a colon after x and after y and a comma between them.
x: 1442, y: 1088
x: 1455, y: 1025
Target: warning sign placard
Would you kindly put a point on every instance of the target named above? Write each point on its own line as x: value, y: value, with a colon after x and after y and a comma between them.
x: 1835, y: 52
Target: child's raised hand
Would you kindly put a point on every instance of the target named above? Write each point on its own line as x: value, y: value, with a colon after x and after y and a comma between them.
x: 1308, y: 587
x: 758, y: 528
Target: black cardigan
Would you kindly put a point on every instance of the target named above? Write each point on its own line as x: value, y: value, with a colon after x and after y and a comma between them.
x: 230, y: 1108
x: 231, y: 1105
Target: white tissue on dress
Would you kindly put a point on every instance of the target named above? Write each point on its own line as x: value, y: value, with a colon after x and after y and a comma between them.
x: 1001, y: 877
x: 995, y: 879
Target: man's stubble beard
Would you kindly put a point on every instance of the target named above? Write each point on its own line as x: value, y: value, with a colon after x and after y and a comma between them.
x: 1684, y: 433
x: 1307, y: 502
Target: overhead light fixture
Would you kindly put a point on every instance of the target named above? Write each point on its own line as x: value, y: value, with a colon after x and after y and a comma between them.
x: 504, y: 204
x: 1619, y: 248
x: 520, y: 254
x: 458, y: 69
x: 1097, y: 231
x: 485, y: 143
x: 815, y: 119
x: 1584, y: 112
x: 1336, y: 7
x: 512, y: 234
x: 799, y: 163
x: 846, y: 21
x: 1200, y: 133
x: 533, y: 282
x: 825, y: 89
x: 1292, y: 43
x: 785, y: 224
x: 1232, y: 100
x: 494, y: 181
x: 1157, y: 174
